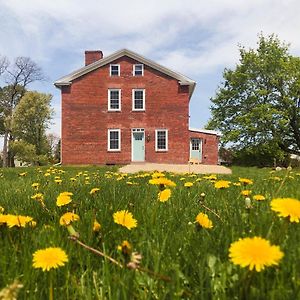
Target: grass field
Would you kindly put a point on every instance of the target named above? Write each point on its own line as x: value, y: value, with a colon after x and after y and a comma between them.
x: 180, y: 259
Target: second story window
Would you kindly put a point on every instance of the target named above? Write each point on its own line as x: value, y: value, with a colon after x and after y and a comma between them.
x: 138, y: 99
x: 114, y: 70
x: 138, y: 70
x: 114, y: 99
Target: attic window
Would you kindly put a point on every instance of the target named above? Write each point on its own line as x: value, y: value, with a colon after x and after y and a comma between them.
x: 138, y: 70
x: 114, y: 70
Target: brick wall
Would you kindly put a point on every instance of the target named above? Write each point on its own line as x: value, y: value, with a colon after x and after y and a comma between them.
x: 209, y: 146
x: 85, y: 116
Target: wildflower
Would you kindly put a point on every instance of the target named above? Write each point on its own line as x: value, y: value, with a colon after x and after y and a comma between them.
x: 64, y: 198
x: 72, y: 179
x: 210, y: 177
x: 94, y: 191
x: 188, y: 184
x: 248, y: 203
x: 222, y: 184
x: 246, y: 193
x: 162, y: 182
x: 245, y: 181
x: 49, y: 258
x: 259, y: 197
x: 58, y: 181
x: 96, y: 226
x: 17, y: 220
x: 35, y: 185
x: 11, y: 292
x: 237, y: 184
x: 287, y: 207
x: 254, y: 252
x: 203, y: 220
x: 158, y: 175
x: 1, y: 209
x: 68, y: 218
x: 23, y: 174
x: 125, y: 219
x: 38, y: 197
x: 125, y: 248
x: 182, y: 179
x: 47, y: 174
x: 164, y: 195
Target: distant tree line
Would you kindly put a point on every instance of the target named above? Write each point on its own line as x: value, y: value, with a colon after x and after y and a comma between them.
x: 24, y: 115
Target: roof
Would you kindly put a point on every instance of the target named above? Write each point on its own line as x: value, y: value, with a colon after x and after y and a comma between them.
x: 183, y: 80
x: 206, y: 131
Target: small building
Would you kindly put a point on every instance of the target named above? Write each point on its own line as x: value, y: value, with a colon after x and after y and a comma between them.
x: 125, y: 108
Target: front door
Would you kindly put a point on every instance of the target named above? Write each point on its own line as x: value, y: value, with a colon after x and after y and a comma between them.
x: 138, y: 144
x: 196, y: 149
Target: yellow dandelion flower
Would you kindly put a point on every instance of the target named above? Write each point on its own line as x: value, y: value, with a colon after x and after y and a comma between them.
x: 64, y: 198
x: 125, y: 247
x: 35, y: 185
x: 47, y: 174
x: 38, y: 197
x: 68, y: 218
x: 125, y: 219
x: 245, y: 193
x: 237, y: 184
x: 188, y: 184
x: 245, y: 181
x: 96, y: 226
x: 254, y: 252
x: 49, y: 258
x: 158, y: 175
x: 73, y: 179
x: 210, y: 177
x: 23, y: 174
x: 287, y: 207
x: 164, y: 195
x: 259, y: 197
x: 94, y: 191
x: 162, y: 182
x: 182, y: 179
x: 222, y: 184
x: 17, y: 220
x: 1, y: 209
x: 203, y: 220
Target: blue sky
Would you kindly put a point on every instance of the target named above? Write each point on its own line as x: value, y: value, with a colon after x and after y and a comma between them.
x: 196, y: 38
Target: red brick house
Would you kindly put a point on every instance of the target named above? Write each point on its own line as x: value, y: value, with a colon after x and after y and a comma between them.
x: 126, y: 108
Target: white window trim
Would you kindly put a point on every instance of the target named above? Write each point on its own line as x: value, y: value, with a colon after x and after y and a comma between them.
x: 133, y: 71
x: 110, y: 69
x: 167, y: 140
x: 133, y: 102
x: 108, y: 97
x: 108, y: 140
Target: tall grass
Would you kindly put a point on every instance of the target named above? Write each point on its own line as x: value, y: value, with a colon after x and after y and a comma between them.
x: 183, y: 260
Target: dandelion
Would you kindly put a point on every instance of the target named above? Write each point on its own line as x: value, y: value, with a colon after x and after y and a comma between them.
x: 254, y: 252
x: 210, y: 177
x: 245, y: 181
x: 94, y: 191
x: 58, y: 181
x: 96, y: 226
x: 203, y: 220
x: 158, y: 175
x: 35, y: 185
x: 125, y: 219
x: 68, y: 218
x: 17, y: 221
x: 188, y: 184
x: 259, y: 197
x: 222, y: 184
x: 287, y: 207
x: 38, y: 197
x: 23, y: 174
x: 49, y: 258
x: 245, y: 193
x: 47, y: 174
x: 125, y: 248
x: 64, y: 198
x: 162, y: 182
x: 72, y: 179
x: 1, y: 209
x: 164, y: 195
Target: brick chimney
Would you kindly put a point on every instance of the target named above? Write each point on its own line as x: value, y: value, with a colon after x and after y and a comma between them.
x: 92, y: 56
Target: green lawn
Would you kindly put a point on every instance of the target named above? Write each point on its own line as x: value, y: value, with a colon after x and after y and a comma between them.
x: 180, y: 260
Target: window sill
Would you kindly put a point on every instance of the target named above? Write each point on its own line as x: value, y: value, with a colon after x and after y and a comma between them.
x: 113, y: 151
x: 112, y: 110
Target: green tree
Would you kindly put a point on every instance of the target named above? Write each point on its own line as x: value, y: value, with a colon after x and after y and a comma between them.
x: 30, y: 120
x: 257, y: 104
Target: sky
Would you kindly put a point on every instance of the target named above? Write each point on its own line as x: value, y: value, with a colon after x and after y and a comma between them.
x: 197, y: 38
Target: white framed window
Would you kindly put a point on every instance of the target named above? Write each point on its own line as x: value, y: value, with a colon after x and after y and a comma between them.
x: 138, y: 99
x: 114, y: 70
x: 161, y: 140
x: 114, y: 140
x: 114, y: 99
x: 138, y: 70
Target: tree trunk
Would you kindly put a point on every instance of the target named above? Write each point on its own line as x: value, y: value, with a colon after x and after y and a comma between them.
x: 5, y: 152
x: 10, y: 155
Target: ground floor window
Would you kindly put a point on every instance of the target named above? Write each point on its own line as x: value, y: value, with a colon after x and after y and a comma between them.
x: 161, y: 140
x: 114, y: 140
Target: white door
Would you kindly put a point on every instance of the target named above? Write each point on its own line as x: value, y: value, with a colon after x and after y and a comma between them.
x: 196, y: 149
